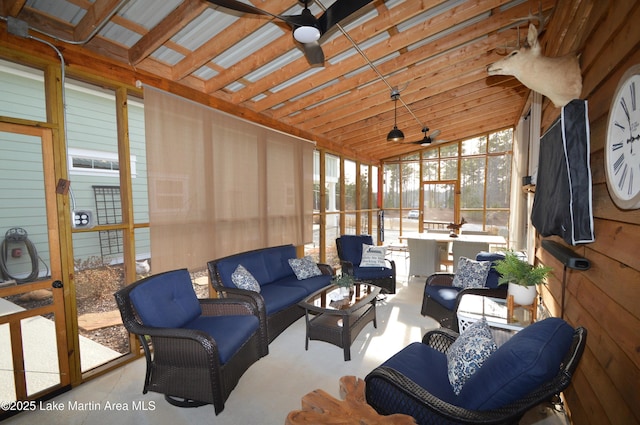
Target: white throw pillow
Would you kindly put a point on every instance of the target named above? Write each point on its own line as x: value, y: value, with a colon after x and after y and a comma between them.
x: 465, y: 356
x: 304, y: 268
x: 243, y: 279
x: 471, y: 273
x: 373, y: 256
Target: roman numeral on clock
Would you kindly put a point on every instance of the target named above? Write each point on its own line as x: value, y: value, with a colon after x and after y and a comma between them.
x: 617, y: 146
x: 632, y: 88
x: 623, y: 103
x: 618, y: 163
x: 623, y: 177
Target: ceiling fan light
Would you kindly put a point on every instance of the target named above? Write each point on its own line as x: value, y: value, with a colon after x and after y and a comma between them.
x: 395, y: 135
x: 306, y: 34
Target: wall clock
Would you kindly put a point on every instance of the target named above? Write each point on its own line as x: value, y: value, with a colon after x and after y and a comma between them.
x: 622, y: 146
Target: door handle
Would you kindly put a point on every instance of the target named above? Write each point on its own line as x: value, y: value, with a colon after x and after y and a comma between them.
x: 57, y: 284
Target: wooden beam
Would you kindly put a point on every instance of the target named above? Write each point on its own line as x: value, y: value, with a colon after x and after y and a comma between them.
x: 96, y: 14
x: 12, y: 7
x: 166, y: 29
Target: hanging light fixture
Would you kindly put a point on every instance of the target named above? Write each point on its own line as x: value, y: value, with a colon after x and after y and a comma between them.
x: 395, y: 135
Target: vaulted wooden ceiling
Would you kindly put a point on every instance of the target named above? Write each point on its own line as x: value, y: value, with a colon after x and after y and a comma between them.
x: 434, y: 52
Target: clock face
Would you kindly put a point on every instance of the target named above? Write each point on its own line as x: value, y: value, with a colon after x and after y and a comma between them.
x: 622, y: 149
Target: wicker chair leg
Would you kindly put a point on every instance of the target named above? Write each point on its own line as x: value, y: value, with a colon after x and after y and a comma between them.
x: 183, y: 402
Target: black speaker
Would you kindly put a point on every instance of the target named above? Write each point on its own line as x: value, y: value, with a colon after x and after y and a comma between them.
x: 566, y: 256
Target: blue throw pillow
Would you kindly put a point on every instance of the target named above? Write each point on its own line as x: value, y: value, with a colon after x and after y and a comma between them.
x: 304, y: 268
x: 469, y: 351
x: 471, y: 273
x: 523, y: 363
x: 243, y: 279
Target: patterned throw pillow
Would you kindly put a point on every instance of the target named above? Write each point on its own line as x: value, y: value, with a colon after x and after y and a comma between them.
x: 471, y: 273
x: 469, y: 352
x: 373, y: 256
x: 304, y: 268
x: 243, y: 279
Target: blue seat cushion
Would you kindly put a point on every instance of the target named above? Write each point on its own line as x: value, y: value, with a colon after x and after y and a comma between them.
x: 523, y: 363
x: 372, y: 272
x: 426, y: 367
x: 443, y: 295
x: 279, y: 296
x: 166, y: 300
x: 493, y: 276
x: 229, y: 332
x: 309, y: 285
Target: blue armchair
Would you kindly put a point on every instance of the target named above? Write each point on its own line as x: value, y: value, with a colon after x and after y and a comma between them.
x: 534, y: 366
x: 201, y: 347
x: 350, y: 253
x: 441, y: 298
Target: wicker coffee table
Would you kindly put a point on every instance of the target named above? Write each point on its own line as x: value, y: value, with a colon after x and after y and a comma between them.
x: 338, y: 319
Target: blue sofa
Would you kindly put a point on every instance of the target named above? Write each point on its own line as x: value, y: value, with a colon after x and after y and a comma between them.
x: 280, y: 289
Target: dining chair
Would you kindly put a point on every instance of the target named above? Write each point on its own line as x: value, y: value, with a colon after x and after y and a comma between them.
x: 424, y: 257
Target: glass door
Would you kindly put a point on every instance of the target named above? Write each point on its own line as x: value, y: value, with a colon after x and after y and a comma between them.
x: 33, y: 341
x: 440, y: 204
x: 440, y: 207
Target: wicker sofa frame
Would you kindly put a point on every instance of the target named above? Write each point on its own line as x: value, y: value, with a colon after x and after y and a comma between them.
x: 183, y: 363
x: 387, y: 387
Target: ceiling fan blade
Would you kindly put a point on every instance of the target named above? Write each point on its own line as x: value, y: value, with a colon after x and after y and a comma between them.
x: 434, y: 134
x: 247, y: 8
x: 313, y: 52
x: 338, y: 11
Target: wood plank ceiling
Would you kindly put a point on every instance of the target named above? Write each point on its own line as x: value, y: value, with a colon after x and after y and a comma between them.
x: 434, y: 51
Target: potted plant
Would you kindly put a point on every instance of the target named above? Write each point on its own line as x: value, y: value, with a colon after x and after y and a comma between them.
x: 344, y: 282
x: 521, y: 276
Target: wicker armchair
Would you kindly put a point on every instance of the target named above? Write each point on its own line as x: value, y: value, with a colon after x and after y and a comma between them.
x: 196, y: 349
x: 441, y: 299
x: 390, y: 389
x: 350, y: 253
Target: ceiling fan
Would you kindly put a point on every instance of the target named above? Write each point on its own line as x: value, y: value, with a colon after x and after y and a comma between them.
x: 428, y: 140
x: 307, y: 29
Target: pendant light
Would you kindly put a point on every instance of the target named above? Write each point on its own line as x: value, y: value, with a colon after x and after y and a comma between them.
x: 395, y: 135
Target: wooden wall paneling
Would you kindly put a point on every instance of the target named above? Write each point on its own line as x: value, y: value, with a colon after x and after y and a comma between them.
x: 604, y: 365
x: 618, y: 240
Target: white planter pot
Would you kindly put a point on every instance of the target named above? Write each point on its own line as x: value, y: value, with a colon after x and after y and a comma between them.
x: 523, y: 295
x: 344, y: 291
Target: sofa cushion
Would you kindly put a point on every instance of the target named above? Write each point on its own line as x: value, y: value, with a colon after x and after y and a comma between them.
x: 443, y: 295
x: 304, y: 268
x: 527, y: 360
x: 426, y: 367
x: 372, y: 256
x: 229, y: 332
x: 469, y: 351
x: 493, y: 276
x: 167, y: 301
x: 243, y: 279
x: 309, y: 285
x: 278, y: 296
x: 276, y: 259
x: 266, y: 265
x: 368, y: 273
x: 471, y: 273
x: 351, y: 247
